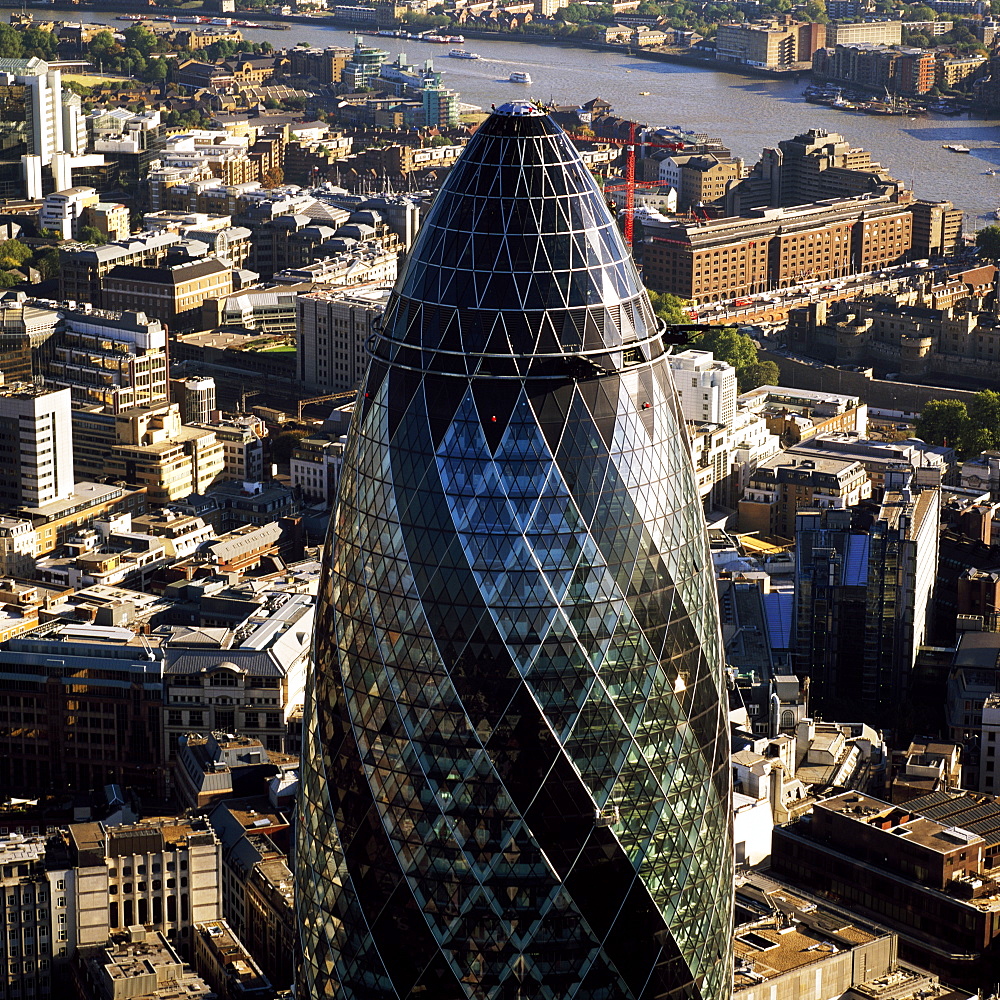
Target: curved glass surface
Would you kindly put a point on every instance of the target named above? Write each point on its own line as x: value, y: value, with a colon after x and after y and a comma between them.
x: 515, y: 776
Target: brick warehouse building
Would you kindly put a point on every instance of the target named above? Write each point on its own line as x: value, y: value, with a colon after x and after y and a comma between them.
x: 776, y: 247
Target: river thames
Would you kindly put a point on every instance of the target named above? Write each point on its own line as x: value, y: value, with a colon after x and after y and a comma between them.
x: 746, y: 113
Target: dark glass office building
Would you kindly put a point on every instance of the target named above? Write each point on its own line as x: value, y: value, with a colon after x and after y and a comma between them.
x: 515, y: 769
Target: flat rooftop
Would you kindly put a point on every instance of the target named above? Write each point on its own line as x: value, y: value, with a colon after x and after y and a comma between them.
x: 916, y: 829
x: 779, y: 931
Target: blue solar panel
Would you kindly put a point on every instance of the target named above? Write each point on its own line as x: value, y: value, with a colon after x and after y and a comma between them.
x: 856, y: 561
x: 778, y: 609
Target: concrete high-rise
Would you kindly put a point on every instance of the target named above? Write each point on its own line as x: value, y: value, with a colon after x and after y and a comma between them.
x: 515, y: 766
x: 36, y: 445
x: 43, y: 127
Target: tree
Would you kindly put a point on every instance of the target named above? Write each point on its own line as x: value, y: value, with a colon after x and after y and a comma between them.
x: 103, y: 44
x: 38, y: 42
x: 944, y: 421
x: 984, y: 415
x: 273, y: 177
x: 141, y: 38
x: 727, y: 344
x: 91, y: 234
x: 10, y: 43
x: 48, y: 263
x: 816, y: 11
x: 158, y: 69
x: 988, y: 241
x: 13, y: 253
x: 976, y: 440
x: 284, y: 444
x: 762, y: 372
x: 8, y: 279
x: 670, y: 308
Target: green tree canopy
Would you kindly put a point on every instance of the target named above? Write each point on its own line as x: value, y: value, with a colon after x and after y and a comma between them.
x: 103, y: 43
x: 141, y: 38
x: 815, y: 10
x: 984, y: 411
x: 11, y: 46
x: 988, y: 241
x: 38, y: 42
x: 13, y: 253
x: 48, y: 263
x: 728, y: 344
x: 670, y: 308
x: 762, y: 372
x: 91, y: 234
x: 944, y: 421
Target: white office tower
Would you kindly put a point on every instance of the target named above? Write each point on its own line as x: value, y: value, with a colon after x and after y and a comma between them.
x: 198, y: 399
x: 42, y: 131
x: 707, y: 387
x: 36, y: 446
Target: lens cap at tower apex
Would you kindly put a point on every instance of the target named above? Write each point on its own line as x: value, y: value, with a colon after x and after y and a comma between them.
x: 520, y: 109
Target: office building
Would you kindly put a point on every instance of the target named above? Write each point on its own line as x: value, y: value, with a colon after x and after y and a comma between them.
x: 536, y: 669
x: 699, y: 178
x: 142, y: 964
x: 64, y: 212
x: 706, y: 387
x: 84, y: 267
x: 769, y: 44
x: 242, y: 439
x: 149, y: 446
x: 315, y: 467
x: 784, y: 485
x: 937, y: 228
x: 43, y: 129
x: 831, y: 597
x: 363, y: 67
x: 707, y: 261
x: 197, y: 399
x: 26, y: 331
x: 243, y: 673
x: 813, y: 166
x: 441, y: 107
x: 106, y: 730
x: 172, y: 294
x: 334, y: 328
x: 850, y: 33
x: 902, y: 567
x: 36, y: 446
x: 30, y: 918
x: 115, y: 359
x: 162, y: 873
x: 226, y: 965
x: 921, y: 868
x: 55, y: 523
x: 324, y: 65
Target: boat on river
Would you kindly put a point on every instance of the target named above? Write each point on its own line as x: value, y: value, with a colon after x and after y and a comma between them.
x: 518, y: 77
x: 462, y: 54
x: 956, y: 147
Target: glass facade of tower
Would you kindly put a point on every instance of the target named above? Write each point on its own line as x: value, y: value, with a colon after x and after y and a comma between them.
x: 515, y: 773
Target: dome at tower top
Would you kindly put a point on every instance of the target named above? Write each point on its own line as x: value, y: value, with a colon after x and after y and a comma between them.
x: 518, y: 257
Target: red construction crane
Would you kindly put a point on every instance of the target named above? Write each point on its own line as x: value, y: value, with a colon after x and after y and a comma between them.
x: 630, y: 183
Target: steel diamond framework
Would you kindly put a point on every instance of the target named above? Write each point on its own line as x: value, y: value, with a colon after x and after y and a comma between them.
x: 516, y: 776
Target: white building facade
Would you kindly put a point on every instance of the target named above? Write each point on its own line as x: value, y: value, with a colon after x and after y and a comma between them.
x: 36, y: 445
x: 707, y: 387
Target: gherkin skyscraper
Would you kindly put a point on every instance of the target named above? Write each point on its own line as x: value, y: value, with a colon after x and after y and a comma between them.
x: 515, y: 777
